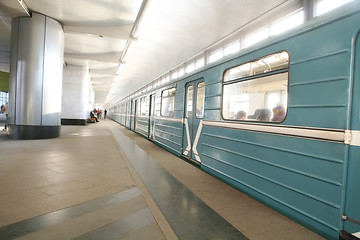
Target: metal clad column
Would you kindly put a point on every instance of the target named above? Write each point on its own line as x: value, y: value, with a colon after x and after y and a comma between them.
x: 35, y: 77
x: 76, y: 102
x: 52, y: 84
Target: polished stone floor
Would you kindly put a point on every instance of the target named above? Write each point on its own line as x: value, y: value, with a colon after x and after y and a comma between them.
x: 102, y: 181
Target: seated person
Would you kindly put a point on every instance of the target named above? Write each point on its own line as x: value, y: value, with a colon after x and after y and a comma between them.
x: 92, y: 115
x: 279, y: 113
x: 264, y: 115
x: 254, y: 116
x: 241, y: 115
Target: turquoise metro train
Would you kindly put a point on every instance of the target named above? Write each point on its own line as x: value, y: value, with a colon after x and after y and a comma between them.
x: 279, y: 121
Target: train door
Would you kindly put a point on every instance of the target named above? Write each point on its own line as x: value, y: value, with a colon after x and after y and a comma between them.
x: 152, y: 117
x: 351, y: 215
x: 194, y: 113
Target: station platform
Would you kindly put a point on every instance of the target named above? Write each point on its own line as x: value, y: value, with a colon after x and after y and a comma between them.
x: 102, y: 181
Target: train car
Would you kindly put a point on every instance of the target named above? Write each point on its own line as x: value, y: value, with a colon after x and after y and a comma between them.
x: 279, y: 121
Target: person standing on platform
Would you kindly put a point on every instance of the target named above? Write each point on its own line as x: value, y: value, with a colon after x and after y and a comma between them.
x: 105, y: 113
x: 6, y: 110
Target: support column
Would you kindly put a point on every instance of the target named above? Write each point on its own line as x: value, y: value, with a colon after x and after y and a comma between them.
x: 36, y: 69
x: 76, y: 102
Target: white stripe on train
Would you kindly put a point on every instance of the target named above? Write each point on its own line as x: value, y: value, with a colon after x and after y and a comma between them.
x: 350, y: 137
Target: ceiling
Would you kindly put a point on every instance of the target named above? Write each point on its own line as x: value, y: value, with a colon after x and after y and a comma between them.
x: 169, y: 32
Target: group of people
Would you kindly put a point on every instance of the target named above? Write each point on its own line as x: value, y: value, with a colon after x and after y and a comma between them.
x: 264, y: 114
x: 97, y: 113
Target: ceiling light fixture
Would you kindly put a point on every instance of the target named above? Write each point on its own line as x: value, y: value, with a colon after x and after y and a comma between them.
x: 118, y: 70
x: 25, y: 7
x: 125, y: 52
x: 134, y: 32
x: 135, y: 29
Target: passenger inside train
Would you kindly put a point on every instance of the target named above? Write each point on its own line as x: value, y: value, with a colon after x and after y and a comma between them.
x: 241, y: 115
x: 264, y: 115
x: 278, y: 113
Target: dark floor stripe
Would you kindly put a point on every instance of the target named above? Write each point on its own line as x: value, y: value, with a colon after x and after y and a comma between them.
x: 188, y: 215
x: 120, y: 228
x: 28, y: 226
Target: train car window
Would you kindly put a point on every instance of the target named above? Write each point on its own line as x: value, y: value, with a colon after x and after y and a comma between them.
x: 256, y: 37
x: 181, y: 72
x: 168, y: 102
x: 200, y: 100
x: 167, y: 78
x: 232, y: 48
x: 174, y: 75
x: 199, y: 63
x: 290, y: 21
x: 158, y: 106
x: 257, y: 90
x: 325, y: 6
x: 216, y: 56
x: 127, y: 109
x: 143, y: 108
x: 190, y: 67
x: 263, y: 65
x: 189, y: 101
x: 135, y: 111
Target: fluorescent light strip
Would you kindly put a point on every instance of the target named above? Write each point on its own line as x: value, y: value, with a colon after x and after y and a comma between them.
x: 25, y: 7
x: 139, y: 17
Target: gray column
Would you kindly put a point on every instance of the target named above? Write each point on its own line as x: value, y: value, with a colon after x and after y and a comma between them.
x: 76, y: 95
x: 36, y: 69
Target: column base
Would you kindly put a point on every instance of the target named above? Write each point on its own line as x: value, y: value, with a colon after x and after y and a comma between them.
x: 32, y: 132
